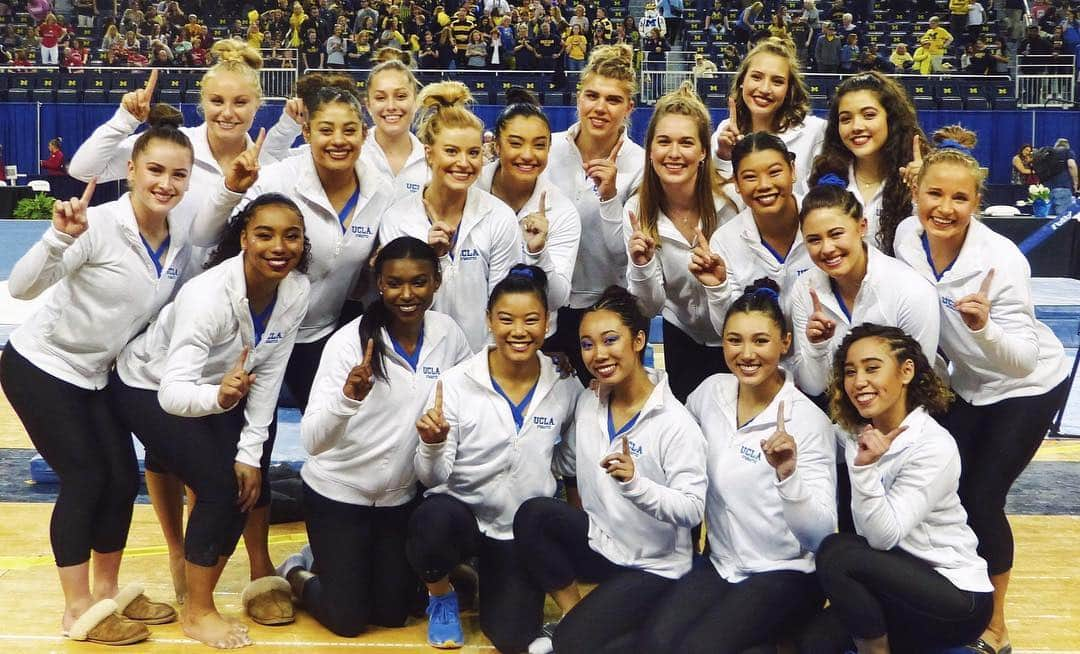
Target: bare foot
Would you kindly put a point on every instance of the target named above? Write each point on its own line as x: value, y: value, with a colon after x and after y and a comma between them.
x: 179, y: 580
x: 213, y: 630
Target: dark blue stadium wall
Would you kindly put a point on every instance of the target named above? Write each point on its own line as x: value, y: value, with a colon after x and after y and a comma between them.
x: 1000, y: 132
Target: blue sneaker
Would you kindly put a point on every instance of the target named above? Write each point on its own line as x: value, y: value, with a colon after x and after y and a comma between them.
x: 444, y: 622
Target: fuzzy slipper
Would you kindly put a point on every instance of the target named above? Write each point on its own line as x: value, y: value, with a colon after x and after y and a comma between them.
x: 134, y: 605
x: 268, y: 601
x: 102, y: 625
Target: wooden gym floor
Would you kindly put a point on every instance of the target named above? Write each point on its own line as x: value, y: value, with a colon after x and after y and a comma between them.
x: 1044, y: 606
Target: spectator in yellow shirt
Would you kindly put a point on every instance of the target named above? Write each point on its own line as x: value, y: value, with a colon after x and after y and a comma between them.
x: 958, y: 15
x: 940, y: 39
x: 922, y: 62
x: 901, y: 58
x: 576, y: 47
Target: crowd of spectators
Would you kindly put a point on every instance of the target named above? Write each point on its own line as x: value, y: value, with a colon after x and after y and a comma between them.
x: 527, y: 34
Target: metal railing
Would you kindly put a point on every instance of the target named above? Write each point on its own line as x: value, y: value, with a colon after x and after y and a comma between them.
x: 1045, y: 80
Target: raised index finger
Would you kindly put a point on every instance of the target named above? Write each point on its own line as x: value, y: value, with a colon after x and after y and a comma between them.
x: 916, y: 149
x: 699, y: 239
x: 260, y: 140
x: 369, y: 351
x: 242, y: 359
x: 438, y: 396
x: 984, y: 288
x: 733, y: 122
x: 625, y: 446
x: 780, y: 417
x: 88, y: 192
x: 543, y: 204
x: 615, y: 150
x: 635, y: 224
x: 816, y: 300
x: 151, y: 83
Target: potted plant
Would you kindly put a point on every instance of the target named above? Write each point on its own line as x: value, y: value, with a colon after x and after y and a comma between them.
x: 1040, y: 200
x: 38, y: 207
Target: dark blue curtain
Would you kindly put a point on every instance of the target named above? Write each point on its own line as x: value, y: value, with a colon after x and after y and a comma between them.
x: 1001, y: 133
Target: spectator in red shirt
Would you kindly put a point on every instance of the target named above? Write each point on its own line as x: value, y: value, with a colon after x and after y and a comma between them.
x: 49, y: 34
x: 73, y: 58
x: 198, y: 53
x: 54, y: 165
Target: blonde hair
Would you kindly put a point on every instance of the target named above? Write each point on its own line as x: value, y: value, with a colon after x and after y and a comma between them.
x: 615, y: 62
x: 444, y: 105
x: 235, y: 56
x: 392, y: 59
x: 966, y: 139
x: 796, y: 105
x: 683, y: 101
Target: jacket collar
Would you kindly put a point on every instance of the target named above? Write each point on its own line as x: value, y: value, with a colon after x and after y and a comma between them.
x: 970, y: 261
x: 660, y: 397
x: 727, y: 399
x: 309, y: 186
x: 235, y: 285
x: 478, y: 372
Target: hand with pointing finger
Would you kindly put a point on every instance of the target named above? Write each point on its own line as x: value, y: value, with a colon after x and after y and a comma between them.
x: 603, y: 172
x: 236, y: 383
x: 819, y: 327
x: 642, y: 246
x: 910, y: 172
x: 621, y: 465
x: 245, y: 168
x: 137, y: 102
x: 534, y: 227
x: 361, y: 378
x: 779, y: 449
x: 69, y: 217
x: 873, y: 444
x: 294, y: 108
x: 707, y: 266
x: 432, y: 426
x: 975, y: 308
x: 730, y: 135
x: 440, y: 234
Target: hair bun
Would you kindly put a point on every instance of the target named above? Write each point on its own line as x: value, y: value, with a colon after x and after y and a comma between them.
x: 165, y: 115
x: 518, y: 95
x: 764, y: 286
x: 235, y: 50
x: 388, y: 53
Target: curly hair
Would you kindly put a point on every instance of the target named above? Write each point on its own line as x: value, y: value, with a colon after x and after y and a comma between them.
x: 903, y: 124
x: 926, y: 388
x: 317, y: 90
x: 796, y: 105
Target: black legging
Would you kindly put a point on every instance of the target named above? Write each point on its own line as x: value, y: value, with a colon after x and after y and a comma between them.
x: 553, y: 542
x: 996, y: 443
x: 79, y: 437
x: 704, y: 613
x: 301, y: 369
x: 873, y: 593
x: 443, y: 533
x: 201, y: 452
x: 363, y: 576
x: 688, y: 362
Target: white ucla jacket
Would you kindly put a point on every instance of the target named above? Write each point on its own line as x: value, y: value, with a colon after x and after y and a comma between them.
x: 107, y: 290
x: 338, y: 255
x: 1014, y: 355
x: 891, y: 294
x: 488, y: 244
x: 197, y: 339
x: 559, y: 255
x: 362, y: 451
x: 484, y: 461
x: 643, y: 523
x: 908, y: 499
x: 746, y: 258
x: 756, y: 523
x: 804, y: 140
x: 665, y: 284
x: 106, y: 153
x: 601, y: 259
